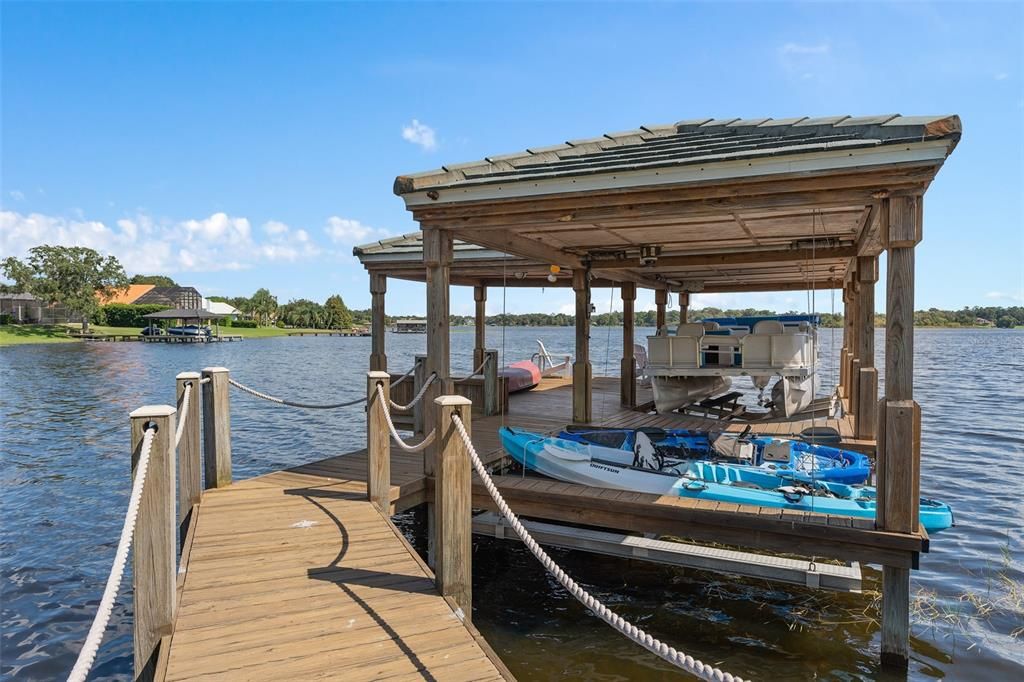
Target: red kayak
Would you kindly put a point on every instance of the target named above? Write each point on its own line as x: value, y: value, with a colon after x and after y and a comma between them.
x: 521, y: 376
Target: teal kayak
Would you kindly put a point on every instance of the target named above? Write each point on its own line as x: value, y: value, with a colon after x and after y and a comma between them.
x: 593, y: 465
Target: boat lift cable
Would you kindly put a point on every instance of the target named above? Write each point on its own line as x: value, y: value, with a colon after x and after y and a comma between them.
x: 419, y: 447
x: 647, y: 641
x: 87, y: 656
x: 292, y: 403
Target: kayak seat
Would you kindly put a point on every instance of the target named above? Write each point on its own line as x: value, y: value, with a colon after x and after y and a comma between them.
x: 777, y: 451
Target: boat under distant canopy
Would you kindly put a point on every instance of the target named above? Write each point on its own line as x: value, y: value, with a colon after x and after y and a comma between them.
x: 700, y: 359
x: 525, y: 374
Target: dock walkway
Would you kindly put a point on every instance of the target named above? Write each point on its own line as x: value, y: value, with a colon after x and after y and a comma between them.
x: 294, y: 576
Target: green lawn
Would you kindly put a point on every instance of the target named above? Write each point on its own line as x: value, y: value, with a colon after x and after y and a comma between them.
x: 17, y: 334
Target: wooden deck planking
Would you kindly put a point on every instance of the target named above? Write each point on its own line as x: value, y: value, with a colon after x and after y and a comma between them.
x: 296, y: 576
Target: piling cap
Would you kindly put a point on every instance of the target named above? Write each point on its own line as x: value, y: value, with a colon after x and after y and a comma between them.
x: 214, y: 370
x: 150, y: 411
x: 377, y: 375
x: 452, y: 400
x: 187, y: 375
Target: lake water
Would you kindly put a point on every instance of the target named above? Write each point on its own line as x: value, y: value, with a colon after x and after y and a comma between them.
x: 64, y: 474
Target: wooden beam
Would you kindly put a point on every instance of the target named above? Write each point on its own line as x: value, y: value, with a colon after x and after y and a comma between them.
x: 869, y: 232
x: 378, y: 356
x: 216, y: 428
x: 746, y: 228
x: 788, y: 285
x: 898, y: 454
x: 627, y: 373
x: 452, y: 498
x: 507, y: 242
x: 154, y: 556
x: 582, y: 376
x: 766, y: 256
x: 543, y: 216
x: 190, y: 458
x: 378, y: 442
x: 437, y: 256
x: 660, y: 301
x: 479, y: 324
x: 567, y: 205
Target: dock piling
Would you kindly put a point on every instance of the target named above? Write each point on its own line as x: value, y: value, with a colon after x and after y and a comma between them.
x: 490, y: 357
x: 216, y: 428
x: 419, y: 376
x: 190, y: 477
x: 452, y: 498
x: 378, y: 445
x: 154, y: 556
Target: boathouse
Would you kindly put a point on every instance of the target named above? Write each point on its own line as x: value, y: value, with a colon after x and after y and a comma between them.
x: 703, y: 205
x: 300, y: 573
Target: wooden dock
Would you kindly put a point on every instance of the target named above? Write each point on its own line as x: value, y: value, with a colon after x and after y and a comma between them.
x: 332, y: 332
x: 296, y: 576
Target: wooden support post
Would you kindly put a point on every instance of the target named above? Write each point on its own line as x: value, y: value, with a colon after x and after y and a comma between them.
x: 378, y: 443
x: 582, y: 373
x: 491, y: 398
x: 660, y: 300
x: 684, y: 307
x: 154, y: 555
x: 452, y: 497
x: 627, y: 373
x: 190, y: 465
x: 216, y: 428
x: 853, y: 404
x: 899, y: 415
x: 378, y: 350
x: 419, y: 375
x: 479, y: 324
x: 867, y: 378
x: 437, y: 256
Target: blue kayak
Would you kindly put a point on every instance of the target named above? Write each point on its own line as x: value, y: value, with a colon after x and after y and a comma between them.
x: 668, y: 448
x: 594, y: 465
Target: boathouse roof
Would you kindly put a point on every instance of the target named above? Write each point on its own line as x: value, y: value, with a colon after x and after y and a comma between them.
x: 690, y: 143
x: 712, y: 205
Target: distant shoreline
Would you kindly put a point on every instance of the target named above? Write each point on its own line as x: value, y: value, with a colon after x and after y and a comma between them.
x: 23, y: 335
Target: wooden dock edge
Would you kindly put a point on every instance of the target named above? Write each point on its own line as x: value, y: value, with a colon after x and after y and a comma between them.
x: 492, y: 656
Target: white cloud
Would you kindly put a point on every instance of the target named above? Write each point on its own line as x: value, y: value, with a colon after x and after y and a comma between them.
x: 348, y: 231
x: 145, y: 245
x: 17, y: 195
x: 800, y: 49
x: 1006, y: 296
x: 274, y: 227
x: 421, y: 134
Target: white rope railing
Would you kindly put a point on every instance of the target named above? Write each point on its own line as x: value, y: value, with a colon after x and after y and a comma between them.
x: 419, y: 447
x: 87, y: 656
x: 402, y: 378
x: 183, y: 413
x: 472, y: 374
x: 652, y: 644
x: 292, y: 403
x: 205, y: 380
x: 419, y: 396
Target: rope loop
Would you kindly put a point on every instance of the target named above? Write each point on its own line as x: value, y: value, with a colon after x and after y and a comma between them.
x: 419, y: 396
x: 472, y: 374
x: 652, y: 644
x: 292, y: 403
x: 419, y: 447
x: 87, y: 656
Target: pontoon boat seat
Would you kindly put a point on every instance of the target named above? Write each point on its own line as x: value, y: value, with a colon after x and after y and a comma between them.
x: 681, y: 350
x: 772, y: 346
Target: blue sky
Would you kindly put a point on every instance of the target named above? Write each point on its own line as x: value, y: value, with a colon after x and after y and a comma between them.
x: 235, y: 145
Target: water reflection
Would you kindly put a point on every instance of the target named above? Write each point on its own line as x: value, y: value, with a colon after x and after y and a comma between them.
x: 65, y: 474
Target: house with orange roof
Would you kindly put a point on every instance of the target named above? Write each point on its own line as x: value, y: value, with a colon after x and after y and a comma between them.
x: 129, y: 295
